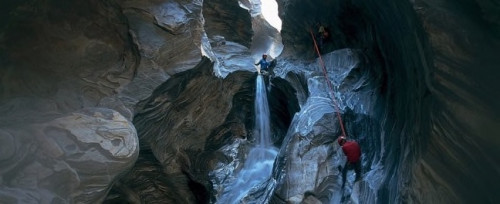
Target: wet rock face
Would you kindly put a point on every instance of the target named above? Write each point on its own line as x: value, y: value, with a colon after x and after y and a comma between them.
x: 308, y: 165
x: 94, y: 53
x: 427, y: 91
x: 416, y: 88
x: 195, y: 124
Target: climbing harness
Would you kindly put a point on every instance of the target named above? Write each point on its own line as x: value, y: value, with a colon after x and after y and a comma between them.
x: 322, y: 65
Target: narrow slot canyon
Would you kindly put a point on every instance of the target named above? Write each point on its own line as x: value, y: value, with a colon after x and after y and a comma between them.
x: 155, y: 101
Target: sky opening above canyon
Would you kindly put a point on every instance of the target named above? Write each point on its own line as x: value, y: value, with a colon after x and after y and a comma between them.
x: 270, y: 13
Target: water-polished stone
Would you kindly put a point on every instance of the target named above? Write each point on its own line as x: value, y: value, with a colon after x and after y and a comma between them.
x: 68, y: 159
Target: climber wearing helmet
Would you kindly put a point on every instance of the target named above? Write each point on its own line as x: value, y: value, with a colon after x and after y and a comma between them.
x: 263, y: 63
x: 353, y: 153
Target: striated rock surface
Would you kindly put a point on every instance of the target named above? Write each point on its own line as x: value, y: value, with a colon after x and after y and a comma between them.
x: 61, y: 65
x: 65, y: 159
x: 415, y: 83
x: 194, y: 124
x: 168, y: 38
x: 433, y: 67
x: 217, y: 14
x: 308, y: 165
x: 460, y: 157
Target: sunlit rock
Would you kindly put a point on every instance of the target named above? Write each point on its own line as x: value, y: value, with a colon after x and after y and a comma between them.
x: 247, y: 35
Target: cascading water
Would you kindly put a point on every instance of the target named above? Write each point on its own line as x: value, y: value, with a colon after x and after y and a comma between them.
x: 259, y: 163
x: 262, y: 125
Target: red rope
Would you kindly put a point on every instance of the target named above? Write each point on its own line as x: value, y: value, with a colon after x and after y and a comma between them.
x: 322, y: 65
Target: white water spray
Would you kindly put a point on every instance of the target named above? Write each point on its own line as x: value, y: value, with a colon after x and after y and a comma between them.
x: 259, y: 163
x: 262, y: 126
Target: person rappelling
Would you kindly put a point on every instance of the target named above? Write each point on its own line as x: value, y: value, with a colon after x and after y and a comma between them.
x: 352, y: 151
x: 350, y: 148
x: 264, y: 64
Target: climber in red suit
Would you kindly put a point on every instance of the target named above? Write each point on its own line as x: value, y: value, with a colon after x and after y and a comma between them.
x: 353, y: 153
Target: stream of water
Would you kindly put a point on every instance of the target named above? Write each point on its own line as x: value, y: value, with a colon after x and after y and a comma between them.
x: 259, y: 162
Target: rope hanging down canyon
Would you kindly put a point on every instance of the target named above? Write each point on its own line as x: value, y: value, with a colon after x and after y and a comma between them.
x: 322, y: 65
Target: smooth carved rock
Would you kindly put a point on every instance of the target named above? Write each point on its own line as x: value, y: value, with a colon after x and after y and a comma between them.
x: 110, y: 130
x: 79, y: 53
x: 198, y: 128
x: 168, y: 38
x: 465, y: 41
x: 432, y: 71
x: 435, y: 101
x: 70, y: 159
x: 228, y: 19
x: 192, y: 105
x: 167, y: 33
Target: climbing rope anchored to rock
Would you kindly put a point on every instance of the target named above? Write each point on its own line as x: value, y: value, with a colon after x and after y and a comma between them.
x: 330, y: 85
x: 351, y: 149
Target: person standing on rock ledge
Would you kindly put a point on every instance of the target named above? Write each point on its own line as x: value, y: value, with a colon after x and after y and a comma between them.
x: 263, y: 64
x: 353, y: 153
x: 322, y: 37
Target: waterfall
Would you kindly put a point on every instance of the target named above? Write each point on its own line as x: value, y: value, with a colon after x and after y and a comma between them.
x: 262, y: 126
x: 259, y: 163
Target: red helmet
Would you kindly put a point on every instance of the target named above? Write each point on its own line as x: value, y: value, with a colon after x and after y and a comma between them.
x: 341, y: 140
